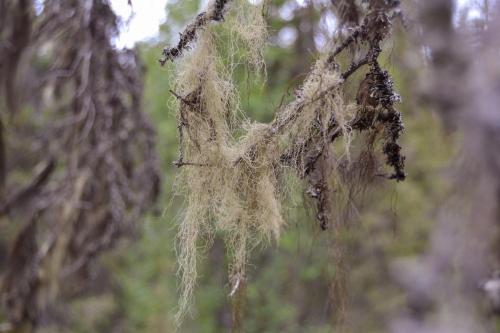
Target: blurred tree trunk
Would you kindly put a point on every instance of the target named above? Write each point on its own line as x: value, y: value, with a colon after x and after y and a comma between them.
x: 462, y: 85
x: 77, y: 133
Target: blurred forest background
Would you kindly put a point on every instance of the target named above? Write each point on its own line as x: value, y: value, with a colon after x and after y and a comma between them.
x: 132, y: 287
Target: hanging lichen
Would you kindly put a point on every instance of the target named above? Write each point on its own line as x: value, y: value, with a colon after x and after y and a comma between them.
x: 234, y: 184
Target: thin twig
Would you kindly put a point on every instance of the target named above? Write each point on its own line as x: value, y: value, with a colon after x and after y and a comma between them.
x: 189, y: 34
x: 180, y: 163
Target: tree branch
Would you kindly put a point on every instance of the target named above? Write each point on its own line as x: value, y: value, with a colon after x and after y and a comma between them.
x: 189, y: 34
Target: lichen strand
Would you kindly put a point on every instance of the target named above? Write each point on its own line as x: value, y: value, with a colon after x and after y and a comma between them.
x: 239, y: 201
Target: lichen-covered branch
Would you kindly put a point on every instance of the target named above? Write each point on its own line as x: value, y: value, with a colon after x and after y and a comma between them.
x: 188, y: 36
x: 233, y: 182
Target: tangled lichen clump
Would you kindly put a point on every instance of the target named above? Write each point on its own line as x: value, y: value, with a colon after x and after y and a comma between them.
x: 226, y: 190
x: 231, y: 184
x: 232, y: 168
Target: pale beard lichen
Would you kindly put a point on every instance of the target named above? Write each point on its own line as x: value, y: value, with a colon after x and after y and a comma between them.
x: 224, y: 193
x: 233, y: 182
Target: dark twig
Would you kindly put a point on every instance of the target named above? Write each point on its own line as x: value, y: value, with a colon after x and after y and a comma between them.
x: 189, y: 34
x: 180, y: 163
x: 371, y: 57
x: 31, y: 189
x: 349, y: 40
